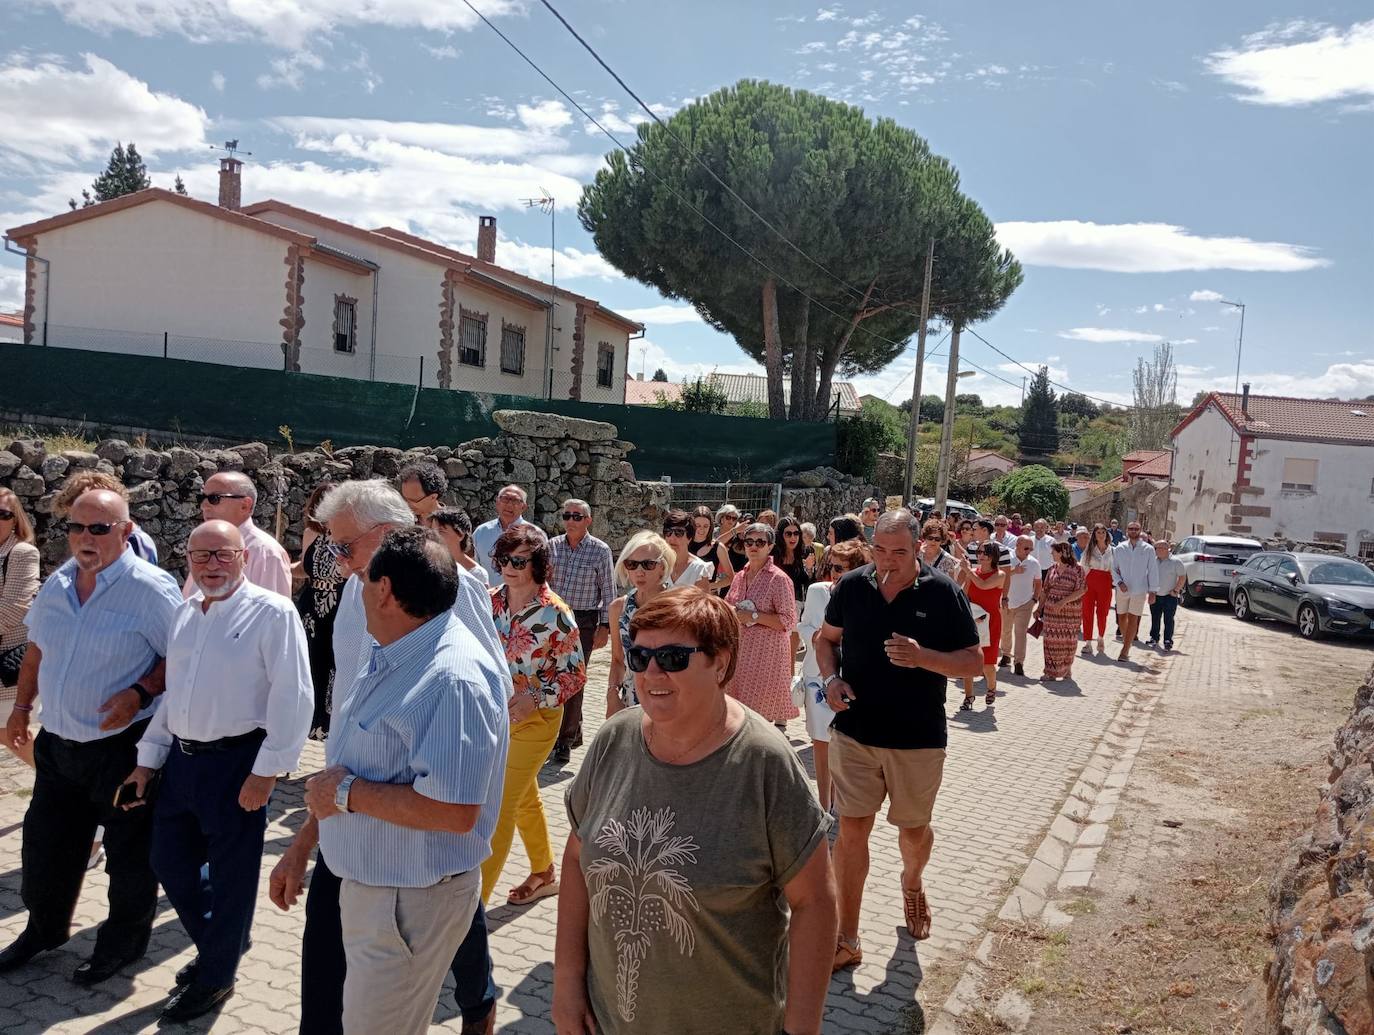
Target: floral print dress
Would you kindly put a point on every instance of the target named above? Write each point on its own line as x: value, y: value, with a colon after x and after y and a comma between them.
x: 763, y: 674
x: 542, y: 646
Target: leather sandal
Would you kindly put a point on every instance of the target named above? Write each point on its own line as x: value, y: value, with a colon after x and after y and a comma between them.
x: 917, y: 909
x: 847, y: 954
x: 523, y: 895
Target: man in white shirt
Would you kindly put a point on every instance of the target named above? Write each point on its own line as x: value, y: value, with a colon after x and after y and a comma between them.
x: 1135, y: 572
x: 1023, y: 593
x: 235, y: 714
x: 1001, y: 535
x: 1044, y: 544
x: 510, y: 509
x: 231, y: 496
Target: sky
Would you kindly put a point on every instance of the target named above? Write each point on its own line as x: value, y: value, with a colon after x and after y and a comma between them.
x: 1144, y: 162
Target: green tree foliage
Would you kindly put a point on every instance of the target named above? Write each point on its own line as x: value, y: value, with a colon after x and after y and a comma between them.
x: 862, y: 198
x: 124, y: 174
x: 1040, y: 418
x: 967, y: 403
x: 858, y: 441
x: 894, y: 423
x: 704, y: 395
x: 1075, y: 405
x: 179, y: 186
x: 932, y: 408
x: 1034, y: 491
x: 660, y: 375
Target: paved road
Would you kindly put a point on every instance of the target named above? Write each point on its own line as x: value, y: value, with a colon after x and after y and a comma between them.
x: 1007, y: 775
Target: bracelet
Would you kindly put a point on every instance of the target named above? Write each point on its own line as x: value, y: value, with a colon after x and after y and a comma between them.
x: 22, y: 707
x: 144, y: 697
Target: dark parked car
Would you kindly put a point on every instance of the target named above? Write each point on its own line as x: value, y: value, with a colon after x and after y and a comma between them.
x: 1317, y: 592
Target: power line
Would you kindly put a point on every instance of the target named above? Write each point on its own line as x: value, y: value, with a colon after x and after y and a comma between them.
x: 1036, y: 373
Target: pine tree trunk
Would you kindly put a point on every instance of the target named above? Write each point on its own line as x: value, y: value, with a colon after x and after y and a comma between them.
x: 772, y: 350
x: 799, y: 405
x: 830, y: 359
x: 809, y: 366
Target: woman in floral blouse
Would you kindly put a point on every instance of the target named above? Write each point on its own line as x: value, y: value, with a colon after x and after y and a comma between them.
x: 547, y: 667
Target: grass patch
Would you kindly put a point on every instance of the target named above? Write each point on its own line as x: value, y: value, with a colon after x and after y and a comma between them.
x: 1081, y: 907
x: 55, y: 440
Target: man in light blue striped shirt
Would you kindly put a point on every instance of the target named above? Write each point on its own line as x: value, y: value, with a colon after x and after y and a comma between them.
x: 97, y: 635
x: 408, y: 802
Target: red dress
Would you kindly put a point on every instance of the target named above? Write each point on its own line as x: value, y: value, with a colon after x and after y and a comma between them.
x: 763, y: 673
x: 990, y: 600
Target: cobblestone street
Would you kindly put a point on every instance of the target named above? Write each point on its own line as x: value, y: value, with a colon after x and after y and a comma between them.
x: 1007, y: 776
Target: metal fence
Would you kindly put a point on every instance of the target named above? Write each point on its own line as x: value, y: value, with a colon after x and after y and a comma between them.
x: 750, y: 497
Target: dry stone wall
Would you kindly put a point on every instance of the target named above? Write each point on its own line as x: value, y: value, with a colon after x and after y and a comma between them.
x: 823, y: 493
x: 1321, y: 978
x: 550, y: 456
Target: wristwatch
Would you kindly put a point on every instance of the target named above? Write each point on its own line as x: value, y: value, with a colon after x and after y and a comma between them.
x: 829, y: 679
x: 144, y: 697
x: 341, y: 793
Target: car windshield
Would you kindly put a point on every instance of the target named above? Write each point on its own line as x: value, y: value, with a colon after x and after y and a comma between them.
x: 1338, y: 573
x: 1235, y: 549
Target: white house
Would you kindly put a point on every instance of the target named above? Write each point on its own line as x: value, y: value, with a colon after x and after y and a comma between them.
x: 1265, y: 466
x: 272, y: 285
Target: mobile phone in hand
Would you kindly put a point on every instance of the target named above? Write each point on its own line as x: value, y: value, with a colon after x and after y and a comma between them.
x: 126, y: 795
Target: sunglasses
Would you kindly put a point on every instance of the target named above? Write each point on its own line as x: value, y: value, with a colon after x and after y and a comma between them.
x: 649, y: 565
x: 418, y: 499
x: 99, y: 528
x: 672, y: 658
x: 791, y: 533
x: 570, y: 515
x: 506, y: 560
x: 756, y: 542
x: 674, y: 533
x: 6, y: 515
x: 345, y: 550
x: 203, y: 556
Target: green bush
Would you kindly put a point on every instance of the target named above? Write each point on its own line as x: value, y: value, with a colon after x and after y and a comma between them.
x: 858, y: 440
x: 1034, y: 490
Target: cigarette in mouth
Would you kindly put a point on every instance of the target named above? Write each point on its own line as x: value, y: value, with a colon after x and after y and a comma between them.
x: 885, y: 575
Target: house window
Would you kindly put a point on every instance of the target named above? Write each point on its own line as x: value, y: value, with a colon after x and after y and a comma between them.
x: 1367, y: 549
x: 1299, y: 475
x: 472, y: 338
x: 605, y: 365
x: 345, y: 324
x: 512, y: 349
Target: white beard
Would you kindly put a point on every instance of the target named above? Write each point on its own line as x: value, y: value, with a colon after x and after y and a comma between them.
x: 227, y: 590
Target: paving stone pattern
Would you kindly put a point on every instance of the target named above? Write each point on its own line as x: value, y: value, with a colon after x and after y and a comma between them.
x: 1007, y: 774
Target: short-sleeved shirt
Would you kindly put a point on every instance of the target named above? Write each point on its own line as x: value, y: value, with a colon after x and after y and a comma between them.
x: 1171, y: 569
x: 685, y: 866
x: 1021, y: 588
x: 896, y: 707
x: 91, y: 651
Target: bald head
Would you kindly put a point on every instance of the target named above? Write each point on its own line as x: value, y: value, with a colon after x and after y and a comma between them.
x: 215, y: 553
x: 98, y: 528
x: 212, y: 535
x: 228, y: 496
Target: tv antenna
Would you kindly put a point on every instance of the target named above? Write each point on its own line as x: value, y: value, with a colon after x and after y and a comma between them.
x: 231, y: 149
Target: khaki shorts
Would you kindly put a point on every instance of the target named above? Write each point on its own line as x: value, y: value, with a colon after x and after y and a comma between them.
x: 1130, y: 603
x: 863, y: 776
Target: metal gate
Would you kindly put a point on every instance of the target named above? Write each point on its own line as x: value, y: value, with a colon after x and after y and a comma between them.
x: 750, y: 497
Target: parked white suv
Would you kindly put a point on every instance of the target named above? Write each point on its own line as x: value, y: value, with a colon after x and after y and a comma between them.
x: 1209, y: 561
x: 964, y: 511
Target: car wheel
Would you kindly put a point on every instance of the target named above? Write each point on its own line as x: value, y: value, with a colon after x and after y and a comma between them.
x: 1240, y: 605
x: 1309, y: 626
x: 1191, y: 598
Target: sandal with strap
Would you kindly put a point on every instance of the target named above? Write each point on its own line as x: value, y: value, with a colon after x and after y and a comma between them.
x: 917, y: 909
x: 991, y: 698
x: 966, y: 705
x: 847, y: 954
x: 523, y: 895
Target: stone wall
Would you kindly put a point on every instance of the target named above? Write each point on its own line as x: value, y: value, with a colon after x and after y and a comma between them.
x: 1321, y: 978
x: 552, y: 457
x: 1149, y: 500
x: 823, y: 493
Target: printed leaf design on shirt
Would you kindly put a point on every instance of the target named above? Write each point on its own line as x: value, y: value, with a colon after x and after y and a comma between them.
x: 519, y: 641
x: 640, y: 890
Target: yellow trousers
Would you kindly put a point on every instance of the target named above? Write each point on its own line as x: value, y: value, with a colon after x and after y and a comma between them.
x: 530, y: 744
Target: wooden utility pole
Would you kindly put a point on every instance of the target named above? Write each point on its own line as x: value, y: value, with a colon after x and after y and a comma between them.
x: 907, y: 489
x: 947, y: 428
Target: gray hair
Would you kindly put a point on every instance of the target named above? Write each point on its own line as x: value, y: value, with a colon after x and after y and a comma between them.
x: 524, y: 496
x: 370, y: 502
x: 581, y: 505
x: 898, y: 519
x: 1028, y: 540
x: 729, y: 510
x: 807, y: 526
x: 872, y: 501
x: 240, y: 482
x: 765, y: 530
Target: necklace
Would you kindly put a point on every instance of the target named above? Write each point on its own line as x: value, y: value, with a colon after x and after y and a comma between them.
x: 649, y: 738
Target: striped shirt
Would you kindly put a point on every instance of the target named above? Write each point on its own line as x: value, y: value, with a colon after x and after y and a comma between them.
x: 484, y: 537
x: 92, y: 651
x: 423, y: 714
x: 583, y: 575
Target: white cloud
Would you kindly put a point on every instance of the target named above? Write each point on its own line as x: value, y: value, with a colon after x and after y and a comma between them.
x: 1146, y: 248
x: 1300, y: 63
x: 544, y: 116
x: 290, y: 71
x: 662, y: 314
x: 1339, y: 380
x: 829, y: 14
x: 457, y: 139
x: 76, y: 115
x: 447, y: 52
x: 1108, y: 335
x: 655, y: 356
x: 1205, y: 295
x: 289, y: 24
x: 11, y: 288
x: 217, y: 81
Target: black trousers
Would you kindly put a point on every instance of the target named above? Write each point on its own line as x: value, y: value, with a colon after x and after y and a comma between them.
x: 570, y: 733
x: 73, y: 793
x: 197, y: 820
x: 324, y: 965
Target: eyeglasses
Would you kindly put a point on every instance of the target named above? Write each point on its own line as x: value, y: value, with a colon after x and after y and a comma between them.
x: 203, y: 556
x: 648, y: 565
x: 6, y: 515
x: 418, y: 499
x: 674, y: 533
x: 345, y: 550
x: 756, y: 542
x: 672, y: 658
x: 213, y: 498
x: 99, y: 528
x: 572, y: 515
x: 506, y: 560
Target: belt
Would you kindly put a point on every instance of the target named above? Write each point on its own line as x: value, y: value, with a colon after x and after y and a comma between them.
x: 209, y: 747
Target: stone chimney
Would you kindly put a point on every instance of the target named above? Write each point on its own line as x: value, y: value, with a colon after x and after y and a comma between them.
x: 486, y: 238
x: 1245, y: 399
x: 230, y: 184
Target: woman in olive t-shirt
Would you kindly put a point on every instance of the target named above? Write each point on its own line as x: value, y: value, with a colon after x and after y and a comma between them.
x: 695, y: 833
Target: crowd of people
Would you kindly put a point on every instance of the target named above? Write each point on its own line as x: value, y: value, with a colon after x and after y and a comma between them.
x: 444, y: 665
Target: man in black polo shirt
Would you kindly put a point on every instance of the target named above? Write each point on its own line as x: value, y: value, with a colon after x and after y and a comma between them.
x: 900, y: 628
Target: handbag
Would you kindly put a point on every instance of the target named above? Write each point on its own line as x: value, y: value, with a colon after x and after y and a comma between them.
x: 11, y: 657
x: 1038, y: 626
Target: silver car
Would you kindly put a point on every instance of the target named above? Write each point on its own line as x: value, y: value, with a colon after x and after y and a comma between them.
x: 1209, y: 561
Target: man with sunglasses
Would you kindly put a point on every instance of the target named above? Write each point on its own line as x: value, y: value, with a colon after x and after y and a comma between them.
x: 231, y: 496
x: 237, y: 710
x: 97, y: 638
x: 584, y: 576
x: 510, y: 509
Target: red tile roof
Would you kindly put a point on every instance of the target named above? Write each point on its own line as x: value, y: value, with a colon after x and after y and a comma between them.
x: 12, y: 319
x: 1148, y: 463
x: 645, y: 393
x: 1285, y: 417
